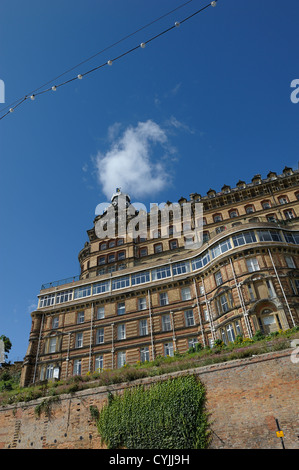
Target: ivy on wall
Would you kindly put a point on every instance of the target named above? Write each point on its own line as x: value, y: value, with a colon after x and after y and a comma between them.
x: 167, y: 415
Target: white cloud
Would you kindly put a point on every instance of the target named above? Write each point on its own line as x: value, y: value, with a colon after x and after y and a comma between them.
x: 129, y: 163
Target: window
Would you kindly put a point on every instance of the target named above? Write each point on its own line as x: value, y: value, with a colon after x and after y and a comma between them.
x: 230, y: 331
x: 173, y: 244
x: 244, y: 238
x: 218, y: 278
x: 143, y: 329
x: 189, y: 318
x: 122, y: 266
x: 52, y: 345
x: 168, y: 349
x: 161, y: 273
x: 163, y: 299
x: 220, y: 248
x: 156, y: 234
x: 111, y: 258
x: 266, y: 205
x: 270, y: 287
x: 224, y: 302
x: 144, y: 354
x: 186, y: 293
x: 79, y: 340
x: 206, y: 314
x: 121, y: 255
x: 142, y: 303
x: 201, y: 261
x: 292, y: 237
x: 103, y: 246
x: 158, y: 248
x: 249, y: 209
x: 100, y: 336
x: 82, y: 292
x: 64, y: 296
x: 290, y: 262
x: 296, y: 281
x: 120, y: 282
x: 55, y: 322
x: 220, y: 229
x: 251, y: 292
x: 99, y: 363
x: 111, y: 243
x: 217, y: 217
x: 205, y: 237
x: 233, y: 213
x: 181, y: 268
x: 101, y: 260
x: 269, y: 236
x: 80, y: 317
x: 192, y: 342
x: 140, y: 278
x: 252, y: 265
x: 101, y: 287
x: 121, y: 308
x: 100, y: 313
x: 289, y: 214
x: 143, y: 252
x: 121, y: 358
x: 166, y: 323
x: 283, y: 200
x: 120, y: 241
x: 47, y: 300
x: 121, y: 331
x: 101, y: 271
x: 271, y: 218
x: 111, y: 269
x: 77, y: 367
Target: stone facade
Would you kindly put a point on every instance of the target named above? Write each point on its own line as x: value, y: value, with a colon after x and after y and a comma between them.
x: 138, y: 298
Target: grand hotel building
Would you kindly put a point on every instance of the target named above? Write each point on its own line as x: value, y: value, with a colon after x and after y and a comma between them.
x: 136, y: 299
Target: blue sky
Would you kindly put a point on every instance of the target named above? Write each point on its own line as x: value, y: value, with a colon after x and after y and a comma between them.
x: 202, y: 106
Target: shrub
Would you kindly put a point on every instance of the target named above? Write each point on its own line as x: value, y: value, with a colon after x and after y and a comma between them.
x: 258, y: 336
x: 167, y: 415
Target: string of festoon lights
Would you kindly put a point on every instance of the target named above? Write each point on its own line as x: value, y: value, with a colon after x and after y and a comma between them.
x: 32, y: 96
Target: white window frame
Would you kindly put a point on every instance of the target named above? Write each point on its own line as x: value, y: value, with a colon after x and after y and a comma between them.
x: 166, y: 322
x: 121, y: 331
x: 100, y: 336
x: 186, y: 293
x: 252, y: 264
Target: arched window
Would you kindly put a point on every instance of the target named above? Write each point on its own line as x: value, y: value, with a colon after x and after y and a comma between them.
x: 289, y: 214
x: 283, y: 199
x: 249, y: 209
x: 266, y: 204
x: 217, y: 217
x: 233, y: 213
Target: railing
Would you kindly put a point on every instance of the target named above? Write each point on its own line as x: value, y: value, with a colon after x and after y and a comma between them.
x: 61, y: 282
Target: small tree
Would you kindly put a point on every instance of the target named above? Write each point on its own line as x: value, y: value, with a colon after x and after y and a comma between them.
x: 7, y: 345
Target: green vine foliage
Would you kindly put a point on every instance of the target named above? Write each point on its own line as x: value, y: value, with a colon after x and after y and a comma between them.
x: 167, y: 415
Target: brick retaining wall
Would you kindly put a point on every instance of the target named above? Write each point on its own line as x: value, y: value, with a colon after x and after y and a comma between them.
x: 244, y: 398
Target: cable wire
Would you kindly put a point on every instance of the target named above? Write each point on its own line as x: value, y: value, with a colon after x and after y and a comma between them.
x: 36, y: 92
